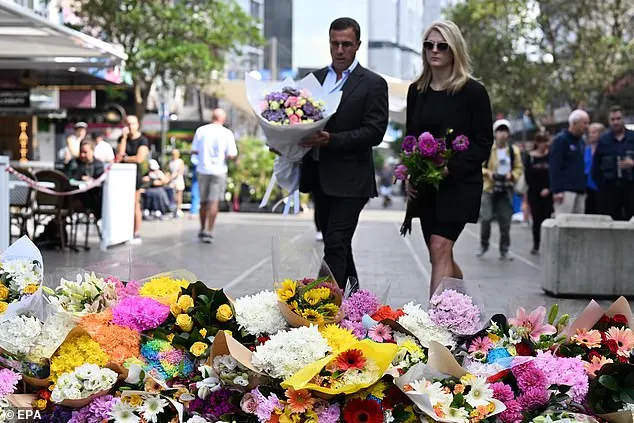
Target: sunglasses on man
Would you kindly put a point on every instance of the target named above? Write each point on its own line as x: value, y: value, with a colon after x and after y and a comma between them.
x: 441, y: 46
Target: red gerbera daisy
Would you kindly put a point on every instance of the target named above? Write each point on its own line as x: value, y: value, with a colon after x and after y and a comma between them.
x: 350, y: 359
x: 363, y: 411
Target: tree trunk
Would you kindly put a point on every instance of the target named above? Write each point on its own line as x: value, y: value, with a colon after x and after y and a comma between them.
x: 141, y: 95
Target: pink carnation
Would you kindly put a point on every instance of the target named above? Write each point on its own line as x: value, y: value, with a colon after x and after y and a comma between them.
x: 455, y: 311
x: 124, y: 290
x: 294, y: 119
x: 140, y: 313
x: 567, y: 371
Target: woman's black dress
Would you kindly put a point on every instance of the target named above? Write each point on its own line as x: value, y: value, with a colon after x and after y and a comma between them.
x: 445, y: 211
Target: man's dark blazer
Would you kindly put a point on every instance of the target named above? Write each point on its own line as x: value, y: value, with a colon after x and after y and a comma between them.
x: 345, y: 167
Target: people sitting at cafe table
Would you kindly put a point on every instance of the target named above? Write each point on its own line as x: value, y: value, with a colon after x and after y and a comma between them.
x: 84, y: 169
x: 158, y: 197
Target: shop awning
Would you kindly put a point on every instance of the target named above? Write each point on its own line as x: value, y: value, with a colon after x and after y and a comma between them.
x: 29, y: 41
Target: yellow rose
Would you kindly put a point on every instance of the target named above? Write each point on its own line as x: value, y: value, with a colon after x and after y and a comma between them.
x: 40, y: 404
x: 287, y: 290
x: 30, y: 289
x: 176, y: 309
x: 3, y: 306
x: 198, y: 348
x: 203, y: 332
x: 224, y: 313
x: 134, y: 400
x: 185, y: 322
x: 170, y: 337
x: 185, y: 302
x: 4, y: 292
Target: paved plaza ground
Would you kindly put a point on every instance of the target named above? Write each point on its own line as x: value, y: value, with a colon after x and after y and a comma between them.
x: 240, y: 258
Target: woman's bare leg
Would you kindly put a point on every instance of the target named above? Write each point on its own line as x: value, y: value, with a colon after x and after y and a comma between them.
x: 442, y: 263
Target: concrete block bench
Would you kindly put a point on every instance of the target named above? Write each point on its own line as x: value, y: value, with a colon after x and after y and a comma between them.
x: 587, y: 255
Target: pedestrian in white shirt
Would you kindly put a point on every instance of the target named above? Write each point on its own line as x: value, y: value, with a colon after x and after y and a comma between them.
x: 214, y: 144
x: 103, y: 150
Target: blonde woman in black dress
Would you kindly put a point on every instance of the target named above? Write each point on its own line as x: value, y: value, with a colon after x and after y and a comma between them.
x: 446, y: 96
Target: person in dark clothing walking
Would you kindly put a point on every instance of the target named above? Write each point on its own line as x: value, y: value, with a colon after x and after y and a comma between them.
x: 444, y: 97
x: 612, y: 168
x: 566, y: 166
x: 539, y: 196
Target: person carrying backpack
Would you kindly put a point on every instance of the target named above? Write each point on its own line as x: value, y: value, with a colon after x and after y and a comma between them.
x: 501, y: 172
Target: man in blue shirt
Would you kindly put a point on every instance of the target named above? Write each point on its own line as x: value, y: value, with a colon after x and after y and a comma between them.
x: 566, y: 166
x: 612, y: 168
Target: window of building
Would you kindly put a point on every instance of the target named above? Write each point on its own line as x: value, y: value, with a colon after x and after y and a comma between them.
x: 256, y: 9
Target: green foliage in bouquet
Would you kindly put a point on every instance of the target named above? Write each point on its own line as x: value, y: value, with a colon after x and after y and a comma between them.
x: 198, y: 316
x: 613, y: 388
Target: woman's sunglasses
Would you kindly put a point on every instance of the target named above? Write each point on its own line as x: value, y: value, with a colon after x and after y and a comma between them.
x: 441, y: 46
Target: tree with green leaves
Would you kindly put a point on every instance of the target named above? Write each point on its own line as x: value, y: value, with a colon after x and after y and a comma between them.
x: 183, y: 41
x: 547, y: 52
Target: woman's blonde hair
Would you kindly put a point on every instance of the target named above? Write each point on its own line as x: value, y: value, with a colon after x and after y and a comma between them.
x: 461, y: 66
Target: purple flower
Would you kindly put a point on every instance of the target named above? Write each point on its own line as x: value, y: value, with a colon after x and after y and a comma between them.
x: 533, y: 398
x: 461, y: 143
x: 356, y: 327
x: 502, y: 392
x: 330, y: 415
x: 8, y: 382
x: 513, y: 412
x: 218, y: 404
x: 97, y: 411
x: 267, y: 407
x: 438, y: 161
x: 455, y: 311
x: 442, y: 146
x: 409, y: 143
x: 427, y: 145
x: 360, y: 303
x: 401, y: 172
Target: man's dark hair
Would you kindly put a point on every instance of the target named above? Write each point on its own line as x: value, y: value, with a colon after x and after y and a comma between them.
x: 616, y: 109
x: 341, y: 24
x: 89, y: 142
x: 96, y: 135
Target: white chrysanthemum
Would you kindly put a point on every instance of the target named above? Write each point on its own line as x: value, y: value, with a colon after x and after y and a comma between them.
x: 122, y: 412
x: 197, y: 419
x: 480, y: 393
x: 287, y: 352
x: 153, y: 405
x: 370, y: 374
x: 259, y: 314
x: 483, y: 369
x: 18, y: 334
x: 417, y: 321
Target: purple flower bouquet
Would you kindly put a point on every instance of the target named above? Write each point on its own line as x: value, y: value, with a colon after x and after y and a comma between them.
x: 423, y: 158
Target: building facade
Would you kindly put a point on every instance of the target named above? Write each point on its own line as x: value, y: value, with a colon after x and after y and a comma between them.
x: 395, y: 30
x: 433, y: 10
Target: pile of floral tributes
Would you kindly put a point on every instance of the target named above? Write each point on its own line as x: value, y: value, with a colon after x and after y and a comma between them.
x: 171, y: 349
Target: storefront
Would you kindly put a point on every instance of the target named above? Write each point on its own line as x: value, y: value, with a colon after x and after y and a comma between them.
x: 45, y: 69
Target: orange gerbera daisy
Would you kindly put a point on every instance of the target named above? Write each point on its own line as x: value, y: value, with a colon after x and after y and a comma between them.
x: 350, y: 359
x: 299, y: 401
x: 587, y: 338
x: 592, y: 368
x: 624, y: 339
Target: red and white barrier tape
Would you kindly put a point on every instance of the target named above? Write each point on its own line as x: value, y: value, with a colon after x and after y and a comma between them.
x: 38, y: 187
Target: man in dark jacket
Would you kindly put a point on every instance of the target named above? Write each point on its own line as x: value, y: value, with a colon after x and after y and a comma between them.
x: 339, y: 170
x: 612, y: 168
x: 567, y: 167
